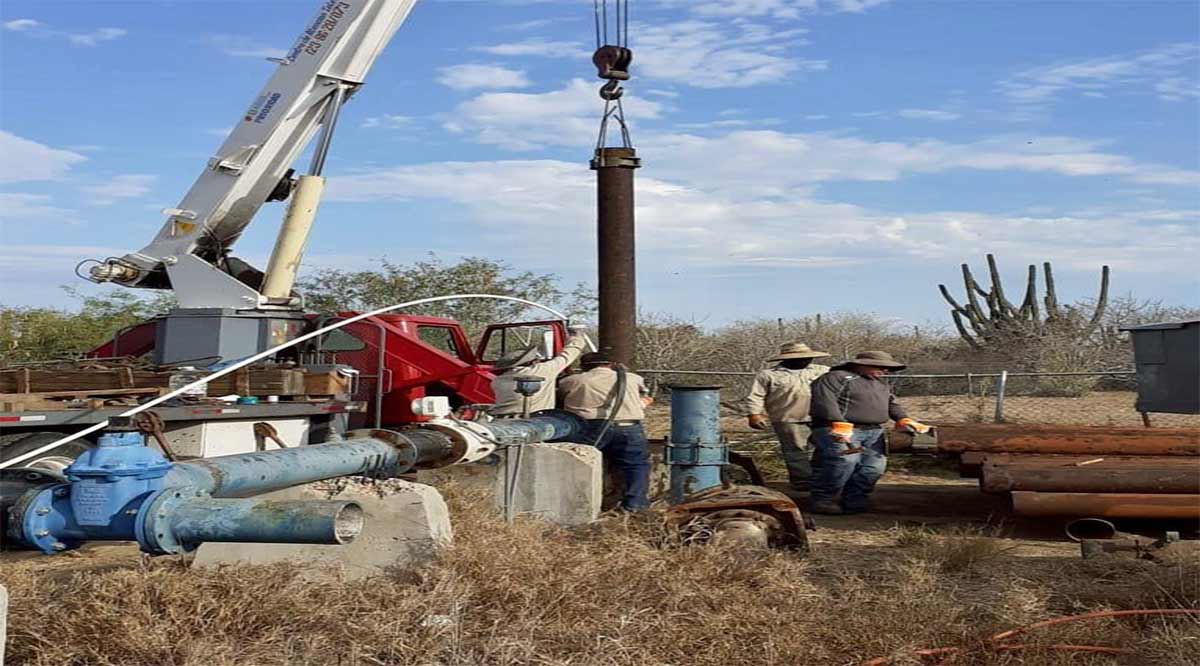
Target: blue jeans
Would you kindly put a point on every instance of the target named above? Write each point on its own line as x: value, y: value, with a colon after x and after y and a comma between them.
x: 852, y: 475
x: 625, y: 447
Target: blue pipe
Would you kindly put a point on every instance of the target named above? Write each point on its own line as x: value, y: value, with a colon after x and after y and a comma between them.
x: 695, y: 451
x: 123, y: 490
x: 548, y: 426
x: 177, y: 521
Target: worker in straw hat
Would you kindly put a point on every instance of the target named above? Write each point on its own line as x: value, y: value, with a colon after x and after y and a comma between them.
x: 528, y: 362
x: 779, y: 399
x: 850, y: 405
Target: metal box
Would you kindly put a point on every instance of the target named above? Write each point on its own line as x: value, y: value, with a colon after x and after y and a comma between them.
x: 1168, y: 366
x: 203, y: 336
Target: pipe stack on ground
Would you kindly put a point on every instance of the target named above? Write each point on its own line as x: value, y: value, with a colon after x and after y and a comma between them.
x: 1054, y: 470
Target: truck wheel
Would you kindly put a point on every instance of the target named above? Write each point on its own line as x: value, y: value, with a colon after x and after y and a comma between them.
x: 20, y: 443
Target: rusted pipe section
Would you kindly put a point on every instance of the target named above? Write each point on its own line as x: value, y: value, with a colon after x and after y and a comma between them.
x: 1077, y: 440
x: 1182, y: 476
x: 1107, y: 505
x: 616, y: 259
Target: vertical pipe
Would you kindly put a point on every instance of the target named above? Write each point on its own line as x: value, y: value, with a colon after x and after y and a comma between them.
x: 695, y: 451
x: 1001, y: 386
x: 616, y: 259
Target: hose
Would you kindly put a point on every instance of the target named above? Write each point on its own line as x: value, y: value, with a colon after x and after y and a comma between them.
x: 618, y: 400
x: 266, y: 354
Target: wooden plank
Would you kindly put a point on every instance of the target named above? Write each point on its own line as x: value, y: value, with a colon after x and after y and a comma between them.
x: 326, y: 383
x: 59, y: 400
x: 259, y: 381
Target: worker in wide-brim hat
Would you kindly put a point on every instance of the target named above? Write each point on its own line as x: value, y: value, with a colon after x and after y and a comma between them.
x: 779, y: 399
x: 850, y: 405
x: 528, y: 362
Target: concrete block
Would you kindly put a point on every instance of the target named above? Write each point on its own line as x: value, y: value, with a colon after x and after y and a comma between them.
x: 562, y: 483
x: 404, y: 528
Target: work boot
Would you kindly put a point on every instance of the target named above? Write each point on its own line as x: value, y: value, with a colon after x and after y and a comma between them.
x: 826, y: 508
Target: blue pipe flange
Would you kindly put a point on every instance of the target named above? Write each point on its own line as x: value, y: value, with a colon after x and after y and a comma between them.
x: 44, y: 519
x: 153, y: 526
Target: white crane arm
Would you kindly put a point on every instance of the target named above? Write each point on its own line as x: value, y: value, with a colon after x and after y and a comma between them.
x: 326, y: 65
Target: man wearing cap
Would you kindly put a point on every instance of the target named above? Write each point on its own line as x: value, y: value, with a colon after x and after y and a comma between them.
x: 528, y: 363
x: 850, y: 405
x: 780, y: 395
x: 594, y: 396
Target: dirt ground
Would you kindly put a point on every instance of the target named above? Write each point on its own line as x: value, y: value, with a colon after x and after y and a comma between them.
x: 936, y: 564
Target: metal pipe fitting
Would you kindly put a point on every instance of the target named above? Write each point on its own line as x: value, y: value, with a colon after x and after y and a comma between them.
x: 695, y: 451
x: 177, y: 520
x: 1091, y: 528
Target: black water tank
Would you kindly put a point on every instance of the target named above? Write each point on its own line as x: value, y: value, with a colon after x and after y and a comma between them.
x: 1168, y: 366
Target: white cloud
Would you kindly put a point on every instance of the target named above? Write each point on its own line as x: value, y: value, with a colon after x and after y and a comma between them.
x: 856, y: 6
x: 538, y: 47
x: 39, y: 29
x: 96, y: 36
x: 770, y: 162
x: 243, y: 46
x: 476, y: 76
x: 124, y: 186
x: 22, y: 160
x: 778, y: 9
x: 21, y: 206
x: 1165, y: 71
x: 684, y: 221
x: 929, y: 114
x: 19, y: 25
x: 529, y: 121
x: 709, y: 54
x: 388, y: 121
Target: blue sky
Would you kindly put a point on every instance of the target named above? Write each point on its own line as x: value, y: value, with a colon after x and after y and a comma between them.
x: 799, y: 156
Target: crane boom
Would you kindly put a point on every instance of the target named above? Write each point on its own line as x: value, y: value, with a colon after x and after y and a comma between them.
x: 326, y: 65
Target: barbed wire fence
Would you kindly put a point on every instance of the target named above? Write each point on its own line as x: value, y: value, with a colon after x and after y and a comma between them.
x: 1097, y: 397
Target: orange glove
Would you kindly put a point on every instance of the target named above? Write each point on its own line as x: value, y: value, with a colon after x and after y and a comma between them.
x: 757, y: 421
x: 841, y: 430
x: 912, y: 426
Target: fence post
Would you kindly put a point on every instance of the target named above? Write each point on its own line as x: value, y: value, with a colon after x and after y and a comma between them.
x: 1001, y: 385
x: 970, y: 386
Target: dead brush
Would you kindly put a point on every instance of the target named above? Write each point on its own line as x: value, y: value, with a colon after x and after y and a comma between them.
x: 623, y: 591
x: 957, y: 550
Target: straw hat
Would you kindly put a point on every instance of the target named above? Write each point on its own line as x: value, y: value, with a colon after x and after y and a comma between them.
x: 878, y: 359
x: 796, y: 350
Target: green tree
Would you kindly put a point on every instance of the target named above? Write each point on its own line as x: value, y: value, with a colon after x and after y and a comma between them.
x: 40, y: 334
x: 332, y: 290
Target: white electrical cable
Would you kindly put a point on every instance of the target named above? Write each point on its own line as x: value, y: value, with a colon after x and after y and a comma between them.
x: 260, y: 356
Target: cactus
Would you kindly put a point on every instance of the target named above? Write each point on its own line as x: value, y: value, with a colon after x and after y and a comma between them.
x: 989, y: 318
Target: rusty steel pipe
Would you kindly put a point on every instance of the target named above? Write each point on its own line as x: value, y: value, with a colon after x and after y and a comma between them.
x: 1077, y: 440
x: 1106, y: 505
x: 1124, y: 476
x: 616, y: 259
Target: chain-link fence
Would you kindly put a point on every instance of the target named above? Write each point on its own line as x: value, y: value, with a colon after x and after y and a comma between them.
x: 1101, y: 398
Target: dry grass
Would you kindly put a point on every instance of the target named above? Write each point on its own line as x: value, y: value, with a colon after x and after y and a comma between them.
x: 623, y: 591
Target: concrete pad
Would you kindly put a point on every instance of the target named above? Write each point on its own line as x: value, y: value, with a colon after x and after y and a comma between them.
x: 562, y: 483
x: 3, y: 620
x: 404, y: 528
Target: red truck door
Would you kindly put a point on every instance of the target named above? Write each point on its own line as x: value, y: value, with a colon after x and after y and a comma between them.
x: 501, y: 339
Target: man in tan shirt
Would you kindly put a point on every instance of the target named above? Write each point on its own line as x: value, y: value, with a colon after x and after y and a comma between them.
x: 593, y: 395
x: 528, y: 363
x: 779, y: 399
